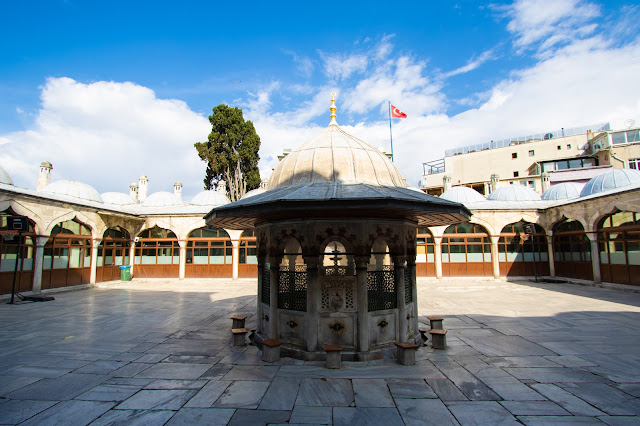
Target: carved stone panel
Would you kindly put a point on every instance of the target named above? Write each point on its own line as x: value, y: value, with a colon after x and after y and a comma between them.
x: 291, y: 327
x: 337, y: 294
x: 382, y: 329
x: 265, y: 320
x: 337, y: 329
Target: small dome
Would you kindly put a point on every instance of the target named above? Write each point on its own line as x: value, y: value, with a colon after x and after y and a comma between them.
x: 117, y: 198
x: 515, y: 192
x: 46, y: 165
x: 210, y: 198
x: 333, y: 157
x: 4, y: 177
x: 254, y: 192
x: 162, y: 199
x: 563, y: 191
x: 73, y: 189
x: 462, y: 194
x: 612, y: 179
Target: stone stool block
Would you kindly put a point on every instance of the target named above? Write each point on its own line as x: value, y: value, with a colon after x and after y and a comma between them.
x: 438, y: 339
x: 334, y: 356
x: 436, y: 322
x: 423, y: 336
x: 271, y: 350
x: 238, y: 336
x: 238, y: 321
x: 406, y: 353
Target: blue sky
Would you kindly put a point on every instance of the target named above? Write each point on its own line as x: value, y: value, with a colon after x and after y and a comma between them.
x: 129, y: 84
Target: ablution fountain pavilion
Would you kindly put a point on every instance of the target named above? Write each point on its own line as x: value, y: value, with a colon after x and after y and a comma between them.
x: 336, y: 238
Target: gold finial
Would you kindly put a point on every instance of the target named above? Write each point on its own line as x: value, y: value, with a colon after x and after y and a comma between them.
x: 333, y: 109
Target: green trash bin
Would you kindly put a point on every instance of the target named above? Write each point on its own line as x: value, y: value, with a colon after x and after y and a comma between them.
x: 125, y: 273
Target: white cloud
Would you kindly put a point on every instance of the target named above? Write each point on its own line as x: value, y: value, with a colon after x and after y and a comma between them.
x: 472, y: 64
x: 107, y: 134
x: 341, y: 67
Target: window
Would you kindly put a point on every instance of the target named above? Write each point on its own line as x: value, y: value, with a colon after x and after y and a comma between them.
x: 625, y: 137
x: 531, y: 153
x: 568, y: 146
x: 559, y: 147
x: 515, y: 174
x: 514, y: 155
x: 634, y: 163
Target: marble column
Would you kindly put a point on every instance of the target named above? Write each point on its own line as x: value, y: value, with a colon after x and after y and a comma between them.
x: 183, y: 258
x: 399, y: 271
x: 313, y: 296
x: 132, y: 253
x: 235, y: 258
x: 38, y: 263
x: 275, y: 283
x: 495, y: 261
x: 437, y: 255
x: 362, y: 303
x: 259, y: 312
x: 550, y: 254
x: 595, y: 256
x: 411, y: 270
x: 95, y: 243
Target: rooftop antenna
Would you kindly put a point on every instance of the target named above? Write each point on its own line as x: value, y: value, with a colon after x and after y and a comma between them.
x: 629, y: 123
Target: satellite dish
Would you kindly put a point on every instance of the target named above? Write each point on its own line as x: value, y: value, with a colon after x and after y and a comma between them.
x: 629, y: 123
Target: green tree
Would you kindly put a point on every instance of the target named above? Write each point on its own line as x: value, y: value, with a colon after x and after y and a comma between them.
x: 231, y: 152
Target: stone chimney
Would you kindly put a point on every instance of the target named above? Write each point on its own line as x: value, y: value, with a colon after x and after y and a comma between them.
x: 45, y: 175
x: 264, y: 184
x: 143, y: 188
x: 495, y: 179
x: 133, y: 191
x: 177, y: 189
x: 221, y: 187
x: 545, y: 181
x: 446, y: 183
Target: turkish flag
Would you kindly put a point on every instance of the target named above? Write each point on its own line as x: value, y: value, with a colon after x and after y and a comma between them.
x: 395, y: 112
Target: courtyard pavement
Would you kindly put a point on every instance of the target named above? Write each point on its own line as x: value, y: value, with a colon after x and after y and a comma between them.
x: 159, y: 352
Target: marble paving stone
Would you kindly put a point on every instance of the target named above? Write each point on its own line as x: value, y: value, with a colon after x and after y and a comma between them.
x: 208, y: 394
x: 512, y: 389
x: 424, y: 412
x: 126, y: 356
x: 315, y: 415
x: 105, y: 392
x: 630, y: 388
x: 361, y: 371
x: 608, y: 399
x: 128, y: 381
x: 172, y: 399
x: 351, y: 416
x: 481, y: 413
x: 620, y: 420
x: 372, y: 393
x: 251, y: 372
x: 473, y: 388
x: 242, y: 394
x: 201, y: 416
x: 193, y: 359
x: 16, y: 411
x: 534, y: 408
x: 243, y: 417
x: 523, y: 361
x: 72, y: 363
x: 446, y: 390
x: 58, y: 389
x: 506, y: 346
x: 566, y: 400
x: 133, y: 417
x: 188, y: 347
x: 39, y: 372
x: 410, y: 388
x: 176, y: 384
x: 167, y: 370
x: 9, y: 384
x: 143, y: 347
x: 325, y: 392
x: 558, y: 420
x: 152, y: 358
x: 553, y: 375
x: 82, y: 413
x: 130, y: 370
x: 101, y: 367
x: 569, y: 361
x: 281, y: 395
x: 216, y: 372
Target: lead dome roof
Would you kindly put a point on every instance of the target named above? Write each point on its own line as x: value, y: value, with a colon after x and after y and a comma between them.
x: 563, y: 191
x: 162, y: 199
x: 73, y: 189
x: 209, y: 198
x: 4, y: 177
x: 611, y: 179
x: 462, y: 194
x: 117, y: 198
x: 334, y: 156
x: 514, y: 192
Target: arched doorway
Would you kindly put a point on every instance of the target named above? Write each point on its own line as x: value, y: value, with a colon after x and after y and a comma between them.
x: 518, y: 252
x: 425, y: 254
x: 572, y: 250
x: 466, y: 251
x: 67, y: 255
x: 113, y: 252
x: 9, y: 256
x: 248, y: 255
x: 209, y: 254
x: 619, y: 242
x: 157, y: 254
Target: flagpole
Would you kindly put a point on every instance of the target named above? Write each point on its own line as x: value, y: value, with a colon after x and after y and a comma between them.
x: 390, y: 132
